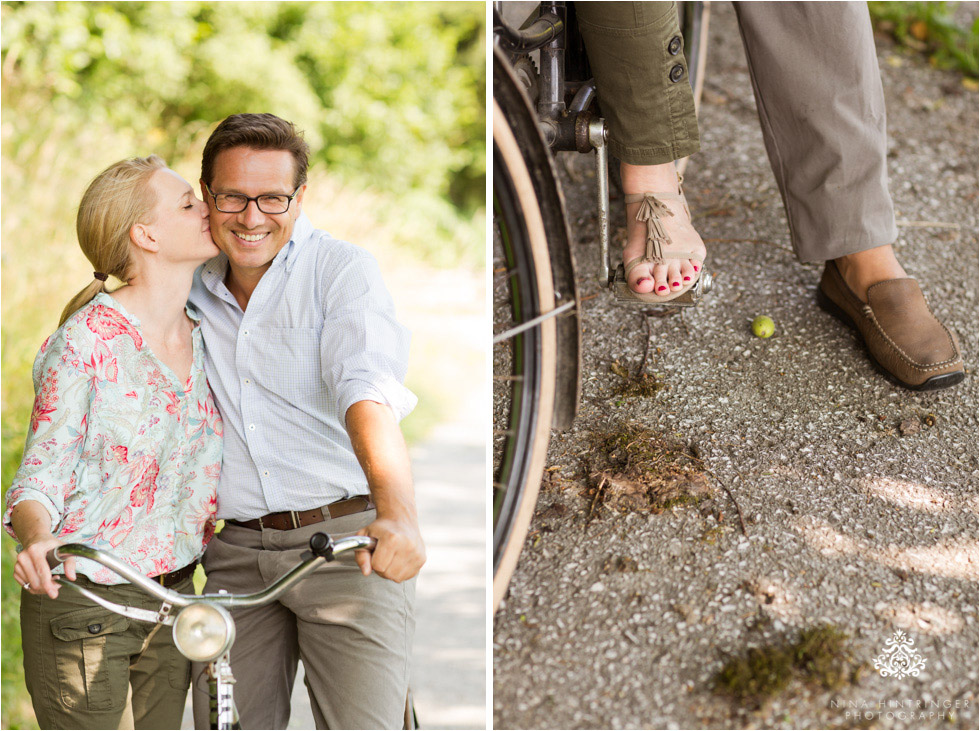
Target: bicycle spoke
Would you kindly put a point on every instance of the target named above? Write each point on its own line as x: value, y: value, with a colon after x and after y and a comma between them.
x: 508, y: 334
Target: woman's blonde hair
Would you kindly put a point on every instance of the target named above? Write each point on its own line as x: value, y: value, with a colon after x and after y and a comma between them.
x: 118, y: 198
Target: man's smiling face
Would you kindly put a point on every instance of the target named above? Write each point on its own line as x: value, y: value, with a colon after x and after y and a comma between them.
x: 251, y: 239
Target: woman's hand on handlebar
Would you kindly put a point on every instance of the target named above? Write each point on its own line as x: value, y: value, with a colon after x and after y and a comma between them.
x: 32, y: 566
x: 32, y: 524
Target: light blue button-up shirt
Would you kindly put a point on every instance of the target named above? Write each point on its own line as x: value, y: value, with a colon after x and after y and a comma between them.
x: 319, y: 335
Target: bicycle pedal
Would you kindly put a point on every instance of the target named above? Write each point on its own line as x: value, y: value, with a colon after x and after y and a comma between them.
x: 691, y: 298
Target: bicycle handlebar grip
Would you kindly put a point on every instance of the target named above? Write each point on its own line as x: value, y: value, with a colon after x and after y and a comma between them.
x: 53, y: 558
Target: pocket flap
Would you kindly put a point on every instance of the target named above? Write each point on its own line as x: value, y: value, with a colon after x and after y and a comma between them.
x: 85, y: 624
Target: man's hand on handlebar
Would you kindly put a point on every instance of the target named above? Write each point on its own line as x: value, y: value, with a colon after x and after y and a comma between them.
x: 32, y: 566
x: 399, y: 554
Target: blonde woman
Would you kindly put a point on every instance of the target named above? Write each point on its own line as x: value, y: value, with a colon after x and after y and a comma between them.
x: 123, y: 453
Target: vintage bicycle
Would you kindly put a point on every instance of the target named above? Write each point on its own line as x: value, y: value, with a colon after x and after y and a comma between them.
x: 203, y: 628
x: 544, y: 103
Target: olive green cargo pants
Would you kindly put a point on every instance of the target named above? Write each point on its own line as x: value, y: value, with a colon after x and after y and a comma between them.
x: 636, y: 52
x: 88, y: 668
x: 818, y: 92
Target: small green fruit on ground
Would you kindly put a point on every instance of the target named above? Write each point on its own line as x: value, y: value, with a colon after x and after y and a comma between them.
x: 763, y: 326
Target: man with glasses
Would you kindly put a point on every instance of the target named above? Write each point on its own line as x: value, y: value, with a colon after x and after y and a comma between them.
x: 306, y: 362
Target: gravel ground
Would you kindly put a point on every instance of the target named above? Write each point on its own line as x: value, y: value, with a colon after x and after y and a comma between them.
x: 859, y: 497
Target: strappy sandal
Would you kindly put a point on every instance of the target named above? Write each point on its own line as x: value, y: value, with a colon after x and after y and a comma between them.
x: 652, y: 210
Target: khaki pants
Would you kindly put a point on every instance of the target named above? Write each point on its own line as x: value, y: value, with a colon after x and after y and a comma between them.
x: 822, y: 109
x: 818, y: 93
x: 353, y: 633
x: 88, y: 668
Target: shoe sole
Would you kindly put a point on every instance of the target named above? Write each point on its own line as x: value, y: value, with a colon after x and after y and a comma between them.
x: 930, y: 384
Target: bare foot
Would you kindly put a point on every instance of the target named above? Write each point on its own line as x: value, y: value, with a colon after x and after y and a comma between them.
x: 675, y: 274
x: 865, y: 268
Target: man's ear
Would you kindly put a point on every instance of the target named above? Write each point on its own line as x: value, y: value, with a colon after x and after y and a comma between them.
x: 141, y: 235
x: 299, y: 199
x: 204, y: 192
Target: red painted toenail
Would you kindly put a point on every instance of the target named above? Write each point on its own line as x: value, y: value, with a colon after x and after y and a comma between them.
x: 687, y: 279
x: 661, y: 288
x: 695, y: 267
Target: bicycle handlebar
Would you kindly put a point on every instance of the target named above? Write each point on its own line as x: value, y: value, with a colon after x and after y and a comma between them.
x: 323, y: 549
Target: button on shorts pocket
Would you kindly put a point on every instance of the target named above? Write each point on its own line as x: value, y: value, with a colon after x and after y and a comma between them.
x: 89, y: 640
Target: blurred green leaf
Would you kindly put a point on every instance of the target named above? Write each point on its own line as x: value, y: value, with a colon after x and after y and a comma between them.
x: 931, y: 28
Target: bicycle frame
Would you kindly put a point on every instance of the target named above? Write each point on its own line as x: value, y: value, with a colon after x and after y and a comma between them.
x: 223, y: 715
x: 567, y: 126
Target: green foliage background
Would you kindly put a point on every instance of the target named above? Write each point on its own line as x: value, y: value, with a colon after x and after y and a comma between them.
x: 391, y: 97
x: 931, y: 28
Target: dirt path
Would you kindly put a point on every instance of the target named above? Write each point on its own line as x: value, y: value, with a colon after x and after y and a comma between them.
x: 859, y: 498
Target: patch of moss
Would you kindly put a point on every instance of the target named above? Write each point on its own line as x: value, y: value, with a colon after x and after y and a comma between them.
x: 760, y: 673
x: 621, y: 564
x: 819, y: 656
x: 642, y: 385
x: 633, y: 469
x: 712, y: 535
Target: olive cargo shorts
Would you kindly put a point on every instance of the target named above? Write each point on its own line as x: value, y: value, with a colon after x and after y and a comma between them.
x: 88, y: 668
x: 636, y: 52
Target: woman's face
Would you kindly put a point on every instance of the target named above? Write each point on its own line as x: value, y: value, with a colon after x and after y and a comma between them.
x: 179, y: 220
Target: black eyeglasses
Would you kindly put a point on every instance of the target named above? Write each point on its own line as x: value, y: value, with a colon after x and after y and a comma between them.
x: 270, y: 204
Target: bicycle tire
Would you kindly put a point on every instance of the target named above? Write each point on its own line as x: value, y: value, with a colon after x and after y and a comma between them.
x: 521, y: 458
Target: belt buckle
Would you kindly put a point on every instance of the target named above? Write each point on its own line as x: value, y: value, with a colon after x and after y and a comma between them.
x: 294, y: 517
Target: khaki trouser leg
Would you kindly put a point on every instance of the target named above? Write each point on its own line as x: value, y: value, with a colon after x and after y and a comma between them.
x: 820, y: 101
x: 650, y: 114
x: 353, y: 632
x: 88, y: 668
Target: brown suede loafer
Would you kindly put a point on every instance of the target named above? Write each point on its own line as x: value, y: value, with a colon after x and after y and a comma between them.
x: 902, y: 335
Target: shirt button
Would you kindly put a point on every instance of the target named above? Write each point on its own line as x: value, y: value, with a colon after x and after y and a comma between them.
x: 677, y: 73
x: 266, y: 473
x: 247, y: 382
x: 244, y: 332
x: 251, y: 427
x: 674, y: 47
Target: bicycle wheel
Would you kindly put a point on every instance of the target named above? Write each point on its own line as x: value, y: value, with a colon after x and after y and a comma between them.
x: 524, y: 365
x: 530, y: 233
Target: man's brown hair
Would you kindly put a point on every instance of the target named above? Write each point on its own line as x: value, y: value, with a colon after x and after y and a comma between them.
x: 257, y: 132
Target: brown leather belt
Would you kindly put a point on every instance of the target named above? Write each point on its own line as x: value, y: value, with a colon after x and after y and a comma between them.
x: 290, y: 519
x: 175, y: 577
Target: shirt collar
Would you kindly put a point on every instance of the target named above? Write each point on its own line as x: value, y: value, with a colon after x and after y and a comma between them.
x: 302, y: 231
x: 214, y: 270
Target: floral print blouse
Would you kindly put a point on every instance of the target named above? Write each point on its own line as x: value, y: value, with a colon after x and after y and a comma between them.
x: 124, y: 457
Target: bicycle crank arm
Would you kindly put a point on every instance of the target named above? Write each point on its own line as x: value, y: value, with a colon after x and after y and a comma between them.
x: 690, y: 298
x: 162, y: 616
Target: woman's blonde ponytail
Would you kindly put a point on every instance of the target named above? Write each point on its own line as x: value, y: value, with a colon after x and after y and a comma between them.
x: 118, y: 198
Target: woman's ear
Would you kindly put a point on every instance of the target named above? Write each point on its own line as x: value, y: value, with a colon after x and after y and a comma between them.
x: 141, y: 235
